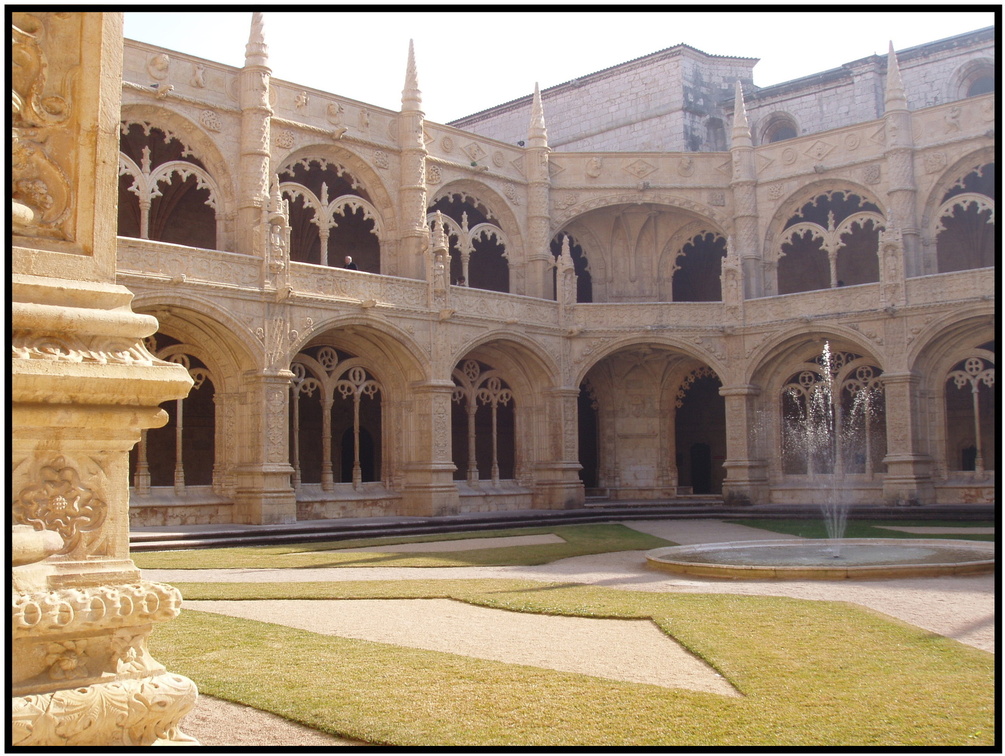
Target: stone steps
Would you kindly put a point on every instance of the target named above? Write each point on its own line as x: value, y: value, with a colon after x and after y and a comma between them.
x: 211, y: 536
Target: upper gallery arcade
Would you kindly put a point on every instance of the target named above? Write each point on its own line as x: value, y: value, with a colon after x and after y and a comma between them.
x: 637, y: 312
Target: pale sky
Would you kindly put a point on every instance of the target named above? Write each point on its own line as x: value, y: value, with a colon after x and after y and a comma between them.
x: 469, y: 61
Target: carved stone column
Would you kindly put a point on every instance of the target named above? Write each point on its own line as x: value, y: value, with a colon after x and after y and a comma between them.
x: 557, y: 484
x: 746, y: 469
x: 908, y: 478
x: 263, y: 494
x: 429, y: 488
x: 83, y: 387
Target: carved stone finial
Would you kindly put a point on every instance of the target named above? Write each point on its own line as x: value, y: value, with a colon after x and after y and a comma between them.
x: 895, y: 97
x: 741, y: 128
x: 440, y: 243
x: 411, y: 97
x: 256, y: 53
x: 538, y: 134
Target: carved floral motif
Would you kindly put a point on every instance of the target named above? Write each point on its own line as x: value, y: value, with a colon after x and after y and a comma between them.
x: 60, y: 502
x: 125, y: 712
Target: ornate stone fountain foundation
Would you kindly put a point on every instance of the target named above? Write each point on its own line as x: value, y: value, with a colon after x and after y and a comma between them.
x: 83, y: 386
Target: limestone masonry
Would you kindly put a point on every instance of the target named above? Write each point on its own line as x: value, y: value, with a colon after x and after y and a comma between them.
x: 620, y: 288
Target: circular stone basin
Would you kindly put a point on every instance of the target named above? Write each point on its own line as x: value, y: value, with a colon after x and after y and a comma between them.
x: 823, y: 559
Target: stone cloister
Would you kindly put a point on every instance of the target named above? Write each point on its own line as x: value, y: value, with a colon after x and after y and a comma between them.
x: 528, y: 325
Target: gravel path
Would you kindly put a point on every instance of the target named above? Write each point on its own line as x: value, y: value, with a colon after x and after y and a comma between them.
x: 960, y: 607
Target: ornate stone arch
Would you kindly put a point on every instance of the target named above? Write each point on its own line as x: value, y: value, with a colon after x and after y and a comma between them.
x: 371, y: 181
x: 669, y: 260
x: 563, y: 216
x: 695, y: 352
x: 496, y: 203
x: 936, y: 206
x: 488, y: 265
x: 955, y: 341
x: 393, y: 355
x: 779, y: 229
x: 228, y: 347
x: 203, y: 146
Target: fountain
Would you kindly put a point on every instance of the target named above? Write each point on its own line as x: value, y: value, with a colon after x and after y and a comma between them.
x: 829, y: 438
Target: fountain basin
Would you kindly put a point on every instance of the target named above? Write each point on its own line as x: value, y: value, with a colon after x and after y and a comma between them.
x: 814, y: 559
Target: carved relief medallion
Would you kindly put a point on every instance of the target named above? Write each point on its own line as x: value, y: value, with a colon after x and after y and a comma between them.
x: 60, y: 502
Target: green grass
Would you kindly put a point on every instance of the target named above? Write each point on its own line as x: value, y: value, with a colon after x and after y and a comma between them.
x: 811, y: 673
x: 815, y: 528
x: 579, y: 540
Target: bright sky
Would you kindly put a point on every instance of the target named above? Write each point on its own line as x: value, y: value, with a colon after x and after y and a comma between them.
x: 469, y: 61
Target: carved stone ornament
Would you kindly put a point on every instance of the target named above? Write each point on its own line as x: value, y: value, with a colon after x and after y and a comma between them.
x: 30, y: 345
x: 433, y: 175
x: 474, y: 151
x: 61, y: 503
x: 211, y: 120
x: 159, y: 66
x: 334, y: 113
x: 198, y: 79
x: 447, y: 144
x: 498, y: 159
x: 380, y: 159
x: 85, y: 609
x: 935, y: 162
x: 125, y: 712
x: 640, y: 168
x: 41, y: 199
x: 872, y: 174
x: 285, y: 139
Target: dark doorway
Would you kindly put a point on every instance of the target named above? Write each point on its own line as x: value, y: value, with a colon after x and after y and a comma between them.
x: 589, y: 452
x: 701, y: 468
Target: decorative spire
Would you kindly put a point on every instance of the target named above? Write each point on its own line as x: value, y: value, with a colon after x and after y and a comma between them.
x: 741, y: 128
x: 895, y: 97
x: 411, y: 97
x: 256, y: 53
x: 538, y: 134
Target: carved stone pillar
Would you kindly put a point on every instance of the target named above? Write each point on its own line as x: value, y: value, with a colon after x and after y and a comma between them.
x: 429, y: 488
x: 263, y: 493
x: 83, y: 387
x: 557, y: 484
x: 746, y: 469
x: 908, y: 478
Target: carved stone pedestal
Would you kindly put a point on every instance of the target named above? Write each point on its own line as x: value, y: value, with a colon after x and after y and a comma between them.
x: 83, y: 387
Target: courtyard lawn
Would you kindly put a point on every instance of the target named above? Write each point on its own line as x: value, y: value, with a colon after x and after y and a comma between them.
x: 815, y: 528
x: 579, y: 541
x: 811, y: 673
